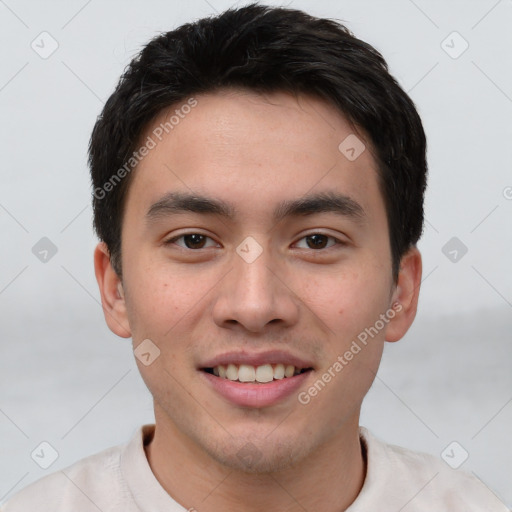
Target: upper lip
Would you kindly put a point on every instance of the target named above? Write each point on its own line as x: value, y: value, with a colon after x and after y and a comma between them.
x: 257, y: 359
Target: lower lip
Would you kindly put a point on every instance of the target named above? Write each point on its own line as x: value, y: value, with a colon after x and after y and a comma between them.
x: 256, y: 395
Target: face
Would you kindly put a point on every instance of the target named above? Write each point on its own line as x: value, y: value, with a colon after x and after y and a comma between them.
x: 251, y: 243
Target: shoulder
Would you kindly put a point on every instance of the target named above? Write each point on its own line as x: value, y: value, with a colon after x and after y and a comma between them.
x: 87, y: 485
x: 415, y: 481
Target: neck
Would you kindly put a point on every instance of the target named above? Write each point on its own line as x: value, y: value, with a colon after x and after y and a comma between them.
x: 329, y: 480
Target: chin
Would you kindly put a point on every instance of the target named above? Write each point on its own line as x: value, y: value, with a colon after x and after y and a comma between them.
x: 259, y: 456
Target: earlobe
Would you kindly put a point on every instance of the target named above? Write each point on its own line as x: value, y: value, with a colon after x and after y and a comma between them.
x: 406, y: 295
x: 112, y: 293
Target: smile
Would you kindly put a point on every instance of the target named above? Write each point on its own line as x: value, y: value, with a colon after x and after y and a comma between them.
x: 256, y: 380
x: 261, y: 374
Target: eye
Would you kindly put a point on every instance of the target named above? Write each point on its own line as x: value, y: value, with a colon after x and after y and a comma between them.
x: 192, y: 241
x: 319, y: 241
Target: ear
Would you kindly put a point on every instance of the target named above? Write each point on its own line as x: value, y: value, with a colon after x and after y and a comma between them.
x: 112, y: 294
x: 405, y: 297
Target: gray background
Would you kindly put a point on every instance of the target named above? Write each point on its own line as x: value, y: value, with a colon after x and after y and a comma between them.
x: 67, y: 380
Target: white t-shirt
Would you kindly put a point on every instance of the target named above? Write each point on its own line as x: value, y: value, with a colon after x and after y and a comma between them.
x: 120, y: 479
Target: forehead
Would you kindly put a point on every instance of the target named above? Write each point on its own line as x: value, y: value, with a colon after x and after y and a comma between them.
x: 275, y: 146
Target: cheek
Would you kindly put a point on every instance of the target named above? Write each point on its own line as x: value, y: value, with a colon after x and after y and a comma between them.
x: 158, y: 302
x: 349, y: 300
x: 161, y: 308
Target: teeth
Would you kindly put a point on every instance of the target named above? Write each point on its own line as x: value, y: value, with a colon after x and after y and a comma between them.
x: 232, y: 372
x: 279, y: 371
x: 246, y: 373
x: 289, y: 370
x: 263, y: 373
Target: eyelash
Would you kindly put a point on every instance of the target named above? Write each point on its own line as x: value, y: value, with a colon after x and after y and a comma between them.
x: 329, y: 237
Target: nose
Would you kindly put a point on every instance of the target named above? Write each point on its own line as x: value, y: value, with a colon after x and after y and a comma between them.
x: 254, y: 295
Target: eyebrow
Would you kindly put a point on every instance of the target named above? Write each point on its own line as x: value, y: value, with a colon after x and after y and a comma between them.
x: 322, y: 202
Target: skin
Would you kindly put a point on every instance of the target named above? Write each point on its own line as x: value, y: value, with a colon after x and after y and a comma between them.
x: 254, y: 151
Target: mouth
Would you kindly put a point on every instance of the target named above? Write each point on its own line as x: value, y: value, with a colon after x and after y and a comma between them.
x: 261, y: 374
x: 256, y: 380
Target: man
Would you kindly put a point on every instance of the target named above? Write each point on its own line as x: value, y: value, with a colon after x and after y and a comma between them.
x: 258, y: 193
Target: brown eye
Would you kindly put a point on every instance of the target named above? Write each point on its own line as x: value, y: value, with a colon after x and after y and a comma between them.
x: 192, y: 241
x: 316, y: 241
